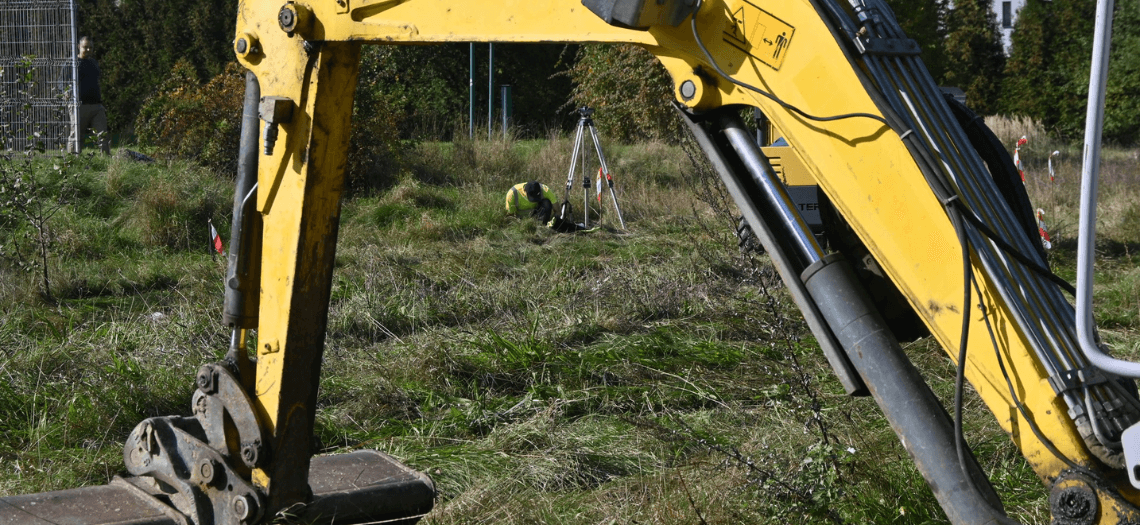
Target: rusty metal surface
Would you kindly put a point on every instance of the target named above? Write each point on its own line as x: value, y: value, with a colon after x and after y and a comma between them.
x: 114, y: 504
x: 366, y: 486
x: 361, y: 487
x: 220, y: 393
x: 202, y: 484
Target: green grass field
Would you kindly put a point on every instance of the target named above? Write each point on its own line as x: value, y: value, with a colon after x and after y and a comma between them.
x: 652, y: 375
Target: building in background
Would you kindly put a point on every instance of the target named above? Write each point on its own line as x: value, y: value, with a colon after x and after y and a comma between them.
x: 1006, y: 11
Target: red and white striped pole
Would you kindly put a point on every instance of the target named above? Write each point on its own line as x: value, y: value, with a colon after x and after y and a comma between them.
x: 1045, y: 240
x: 1017, y: 156
x: 1052, y: 174
x: 215, y: 240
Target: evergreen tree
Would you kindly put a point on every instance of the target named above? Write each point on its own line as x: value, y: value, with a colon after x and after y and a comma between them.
x: 1031, y: 76
x: 974, y: 55
x: 1048, y: 69
x: 1072, y: 53
x: 139, y: 41
x: 925, y: 22
x: 1122, y: 100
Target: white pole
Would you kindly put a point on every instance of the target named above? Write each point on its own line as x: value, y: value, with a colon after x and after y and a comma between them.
x: 1086, y: 234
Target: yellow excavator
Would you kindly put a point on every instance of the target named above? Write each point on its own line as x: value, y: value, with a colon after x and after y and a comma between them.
x: 916, y: 189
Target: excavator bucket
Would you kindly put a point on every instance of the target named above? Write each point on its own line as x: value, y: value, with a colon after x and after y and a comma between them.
x: 361, y: 487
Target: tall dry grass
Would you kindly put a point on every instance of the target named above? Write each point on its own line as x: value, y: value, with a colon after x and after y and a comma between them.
x: 1010, y: 128
x: 651, y: 375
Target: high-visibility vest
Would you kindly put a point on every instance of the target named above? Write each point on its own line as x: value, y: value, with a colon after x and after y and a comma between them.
x: 517, y: 200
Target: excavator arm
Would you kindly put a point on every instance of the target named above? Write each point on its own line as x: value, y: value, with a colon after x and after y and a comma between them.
x: 846, y: 89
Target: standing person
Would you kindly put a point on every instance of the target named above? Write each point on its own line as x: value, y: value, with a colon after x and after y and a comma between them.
x: 91, y: 112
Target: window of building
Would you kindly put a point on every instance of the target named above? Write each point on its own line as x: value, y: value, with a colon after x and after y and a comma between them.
x: 1006, y: 15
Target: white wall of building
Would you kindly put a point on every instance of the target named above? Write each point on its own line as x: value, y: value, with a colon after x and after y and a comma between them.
x: 1006, y: 11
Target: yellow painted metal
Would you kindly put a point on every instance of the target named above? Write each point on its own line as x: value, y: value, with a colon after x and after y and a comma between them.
x: 872, y: 179
x: 788, y: 165
x: 299, y: 189
x: 781, y: 46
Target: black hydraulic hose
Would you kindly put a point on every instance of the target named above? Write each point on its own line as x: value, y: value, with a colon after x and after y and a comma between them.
x: 1013, y: 395
x: 960, y: 375
x: 1017, y: 254
x: 1039, y: 301
x: 879, y: 69
x: 912, y: 72
x: 1039, y: 298
x: 1044, y: 305
x: 1002, y: 168
x: 243, y: 275
x: 1006, y: 178
x: 906, y: 68
x: 927, y: 164
x: 971, y: 186
x: 956, y: 209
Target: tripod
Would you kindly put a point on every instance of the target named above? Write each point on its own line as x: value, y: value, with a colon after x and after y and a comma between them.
x: 585, y: 121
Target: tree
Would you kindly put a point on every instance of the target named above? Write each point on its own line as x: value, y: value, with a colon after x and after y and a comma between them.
x: 1047, y: 74
x: 1122, y: 99
x: 975, y: 59
x: 1031, y: 76
x: 630, y: 89
x: 925, y: 22
x: 1072, y: 51
x: 430, y: 84
x: 138, y: 42
x: 30, y: 197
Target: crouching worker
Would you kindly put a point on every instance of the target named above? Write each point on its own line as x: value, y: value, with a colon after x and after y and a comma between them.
x: 533, y: 197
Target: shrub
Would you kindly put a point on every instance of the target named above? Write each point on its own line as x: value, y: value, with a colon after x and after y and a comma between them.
x: 630, y: 90
x: 202, y: 122
x: 189, y: 120
x: 375, y: 150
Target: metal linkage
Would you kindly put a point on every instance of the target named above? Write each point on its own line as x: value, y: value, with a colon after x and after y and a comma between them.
x: 192, y: 458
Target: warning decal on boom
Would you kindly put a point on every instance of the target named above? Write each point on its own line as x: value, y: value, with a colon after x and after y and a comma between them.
x: 759, y: 33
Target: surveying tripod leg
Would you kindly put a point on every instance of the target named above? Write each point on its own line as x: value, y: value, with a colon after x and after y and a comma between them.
x: 606, y: 171
x: 570, y: 176
x: 585, y: 188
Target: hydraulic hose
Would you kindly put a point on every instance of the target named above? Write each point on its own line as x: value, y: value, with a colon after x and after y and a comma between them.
x: 942, y: 149
x: 243, y: 274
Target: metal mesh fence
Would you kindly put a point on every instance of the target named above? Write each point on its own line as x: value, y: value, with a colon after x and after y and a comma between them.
x: 37, y: 73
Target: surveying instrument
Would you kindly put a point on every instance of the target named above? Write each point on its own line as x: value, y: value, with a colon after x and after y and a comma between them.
x: 584, y: 122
